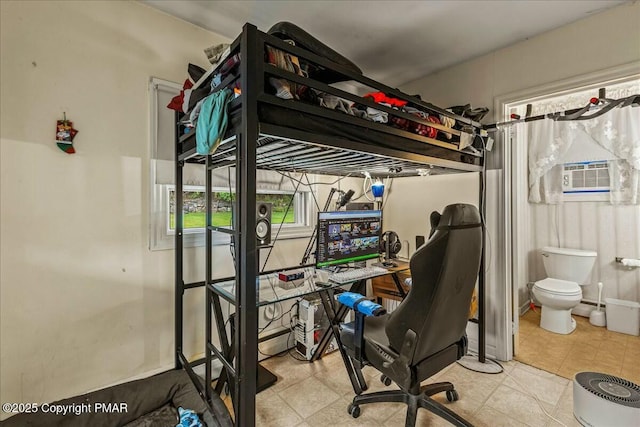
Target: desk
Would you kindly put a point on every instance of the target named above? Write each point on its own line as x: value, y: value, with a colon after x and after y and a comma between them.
x: 358, y: 287
x: 358, y: 383
x: 269, y: 291
x: 392, y: 285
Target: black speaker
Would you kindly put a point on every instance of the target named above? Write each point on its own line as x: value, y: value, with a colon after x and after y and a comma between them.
x: 263, y: 223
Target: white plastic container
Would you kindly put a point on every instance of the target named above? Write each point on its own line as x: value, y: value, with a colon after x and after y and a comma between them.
x: 623, y: 316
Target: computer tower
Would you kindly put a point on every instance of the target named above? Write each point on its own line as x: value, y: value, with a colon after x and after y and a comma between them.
x: 311, y: 324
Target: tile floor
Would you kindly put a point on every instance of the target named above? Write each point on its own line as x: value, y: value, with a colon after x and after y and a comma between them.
x: 588, y: 348
x: 317, y: 394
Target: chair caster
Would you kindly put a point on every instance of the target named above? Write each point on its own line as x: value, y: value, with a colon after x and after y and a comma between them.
x: 385, y: 380
x: 452, y: 395
x: 353, y: 410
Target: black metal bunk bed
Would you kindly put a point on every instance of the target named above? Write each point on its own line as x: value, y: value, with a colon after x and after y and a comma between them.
x: 287, y: 135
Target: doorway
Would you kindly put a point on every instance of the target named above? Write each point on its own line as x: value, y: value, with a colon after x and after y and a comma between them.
x: 528, y: 226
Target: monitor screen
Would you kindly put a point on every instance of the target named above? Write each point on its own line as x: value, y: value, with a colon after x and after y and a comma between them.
x: 347, y: 236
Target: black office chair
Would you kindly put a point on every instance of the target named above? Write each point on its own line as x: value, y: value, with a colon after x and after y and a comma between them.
x: 426, y: 333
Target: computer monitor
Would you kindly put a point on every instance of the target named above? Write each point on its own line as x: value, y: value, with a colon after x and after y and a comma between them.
x: 348, y: 236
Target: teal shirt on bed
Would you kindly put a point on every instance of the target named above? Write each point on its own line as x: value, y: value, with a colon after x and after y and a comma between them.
x: 212, y: 121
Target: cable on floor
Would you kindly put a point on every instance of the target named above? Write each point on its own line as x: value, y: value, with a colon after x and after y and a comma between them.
x: 536, y: 399
x: 524, y: 389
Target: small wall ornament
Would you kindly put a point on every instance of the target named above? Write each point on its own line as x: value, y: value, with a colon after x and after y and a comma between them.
x: 65, y: 134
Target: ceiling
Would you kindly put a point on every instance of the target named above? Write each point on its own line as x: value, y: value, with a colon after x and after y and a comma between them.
x: 394, y: 41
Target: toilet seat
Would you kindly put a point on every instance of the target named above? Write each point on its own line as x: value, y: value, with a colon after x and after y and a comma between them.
x: 558, y: 287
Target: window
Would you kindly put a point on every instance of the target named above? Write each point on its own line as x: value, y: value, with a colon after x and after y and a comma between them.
x: 287, y: 209
x: 272, y: 187
x: 587, y: 170
x: 283, y: 208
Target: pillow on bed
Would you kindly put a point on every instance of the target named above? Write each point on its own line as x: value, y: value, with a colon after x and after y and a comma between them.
x: 289, y: 31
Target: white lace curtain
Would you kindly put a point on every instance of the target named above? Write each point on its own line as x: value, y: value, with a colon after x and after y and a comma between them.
x: 617, y: 131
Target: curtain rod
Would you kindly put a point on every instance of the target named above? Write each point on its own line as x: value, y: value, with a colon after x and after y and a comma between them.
x: 601, y: 103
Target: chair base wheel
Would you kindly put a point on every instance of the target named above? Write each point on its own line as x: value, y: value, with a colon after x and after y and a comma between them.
x: 353, y: 410
x: 452, y: 395
x: 385, y: 380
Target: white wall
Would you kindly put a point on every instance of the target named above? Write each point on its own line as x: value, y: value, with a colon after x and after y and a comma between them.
x: 83, y: 301
x: 601, y: 41
x: 407, y: 212
x: 411, y: 201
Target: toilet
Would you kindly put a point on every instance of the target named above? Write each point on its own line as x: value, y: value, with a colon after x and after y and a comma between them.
x: 560, y: 292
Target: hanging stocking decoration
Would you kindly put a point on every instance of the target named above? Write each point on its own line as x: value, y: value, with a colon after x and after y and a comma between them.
x: 65, y: 134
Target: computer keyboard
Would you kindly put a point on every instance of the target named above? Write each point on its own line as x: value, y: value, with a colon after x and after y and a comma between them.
x: 355, y: 274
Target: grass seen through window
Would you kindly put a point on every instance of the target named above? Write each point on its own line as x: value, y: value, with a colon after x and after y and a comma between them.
x: 221, y: 219
x: 194, y: 209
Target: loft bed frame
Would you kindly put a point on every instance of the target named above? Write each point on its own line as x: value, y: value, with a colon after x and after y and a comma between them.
x: 266, y: 132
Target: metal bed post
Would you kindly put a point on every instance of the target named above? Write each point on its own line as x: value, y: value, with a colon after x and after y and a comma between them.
x: 481, y: 277
x: 247, y: 266
x: 208, y: 277
x: 226, y: 375
x: 179, y: 282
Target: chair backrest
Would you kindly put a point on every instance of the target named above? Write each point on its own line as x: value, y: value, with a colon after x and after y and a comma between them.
x: 444, y: 272
x: 434, y: 220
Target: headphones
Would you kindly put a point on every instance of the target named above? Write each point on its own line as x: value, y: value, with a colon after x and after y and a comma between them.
x: 391, y: 241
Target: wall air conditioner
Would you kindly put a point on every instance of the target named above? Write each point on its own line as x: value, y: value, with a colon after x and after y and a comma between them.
x: 586, y: 181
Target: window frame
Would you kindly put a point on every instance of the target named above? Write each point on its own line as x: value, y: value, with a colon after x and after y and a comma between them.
x: 560, y: 99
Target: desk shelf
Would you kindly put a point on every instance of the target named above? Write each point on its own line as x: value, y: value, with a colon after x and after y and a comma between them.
x: 385, y: 288
x: 271, y: 290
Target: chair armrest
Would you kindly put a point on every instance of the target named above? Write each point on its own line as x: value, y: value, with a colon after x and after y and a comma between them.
x: 360, y: 304
x: 400, y: 365
x: 362, y: 307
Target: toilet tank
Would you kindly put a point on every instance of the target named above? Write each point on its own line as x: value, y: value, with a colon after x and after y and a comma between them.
x: 573, y: 265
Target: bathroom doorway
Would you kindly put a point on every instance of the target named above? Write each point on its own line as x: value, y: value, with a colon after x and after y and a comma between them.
x: 534, y: 226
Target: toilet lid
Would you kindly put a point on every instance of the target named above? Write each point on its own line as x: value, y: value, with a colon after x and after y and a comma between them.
x: 560, y: 287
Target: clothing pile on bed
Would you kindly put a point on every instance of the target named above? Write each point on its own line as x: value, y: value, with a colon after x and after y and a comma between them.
x: 207, y: 102
x: 190, y: 100
x: 206, y: 105
x: 289, y: 90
